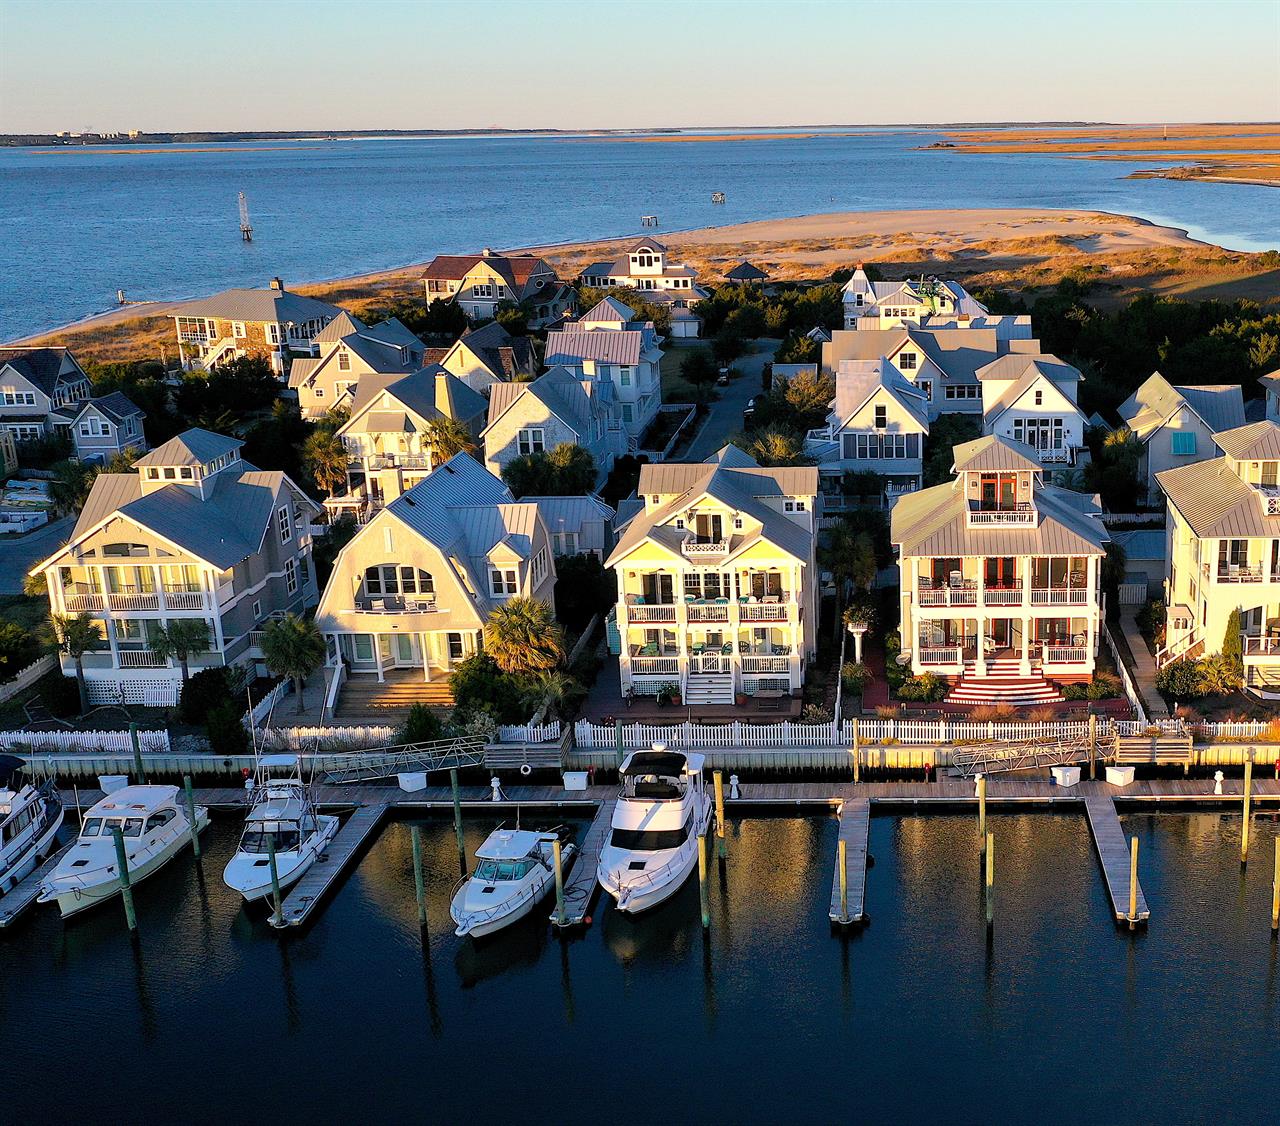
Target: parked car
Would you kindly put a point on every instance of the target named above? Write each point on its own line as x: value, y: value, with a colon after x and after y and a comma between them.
x: 748, y: 414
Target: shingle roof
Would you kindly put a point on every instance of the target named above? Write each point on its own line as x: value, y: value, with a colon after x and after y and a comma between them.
x: 191, y: 447
x: 256, y: 305
x: 1255, y: 442
x: 994, y: 452
x: 1022, y: 372
x: 621, y: 347
x: 745, y: 271
x: 39, y: 366
x: 515, y: 269
x: 1215, y: 502
x: 1220, y: 406
x: 116, y: 406
x: 505, y: 356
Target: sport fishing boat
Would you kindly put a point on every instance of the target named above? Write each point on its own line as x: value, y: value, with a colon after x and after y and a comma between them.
x: 30, y: 817
x: 662, y: 809
x: 154, y: 824
x: 515, y: 869
x: 283, y: 814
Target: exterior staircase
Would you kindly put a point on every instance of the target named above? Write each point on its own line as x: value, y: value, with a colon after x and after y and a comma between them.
x: 1004, y: 684
x: 364, y: 700
x: 702, y: 689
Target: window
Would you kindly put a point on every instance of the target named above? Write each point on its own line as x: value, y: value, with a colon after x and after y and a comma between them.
x: 859, y: 299
x: 502, y: 582
x: 880, y: 446
x: 737, y: 523
x: 907, y: 361
x: 531, y: 440
x: 237, y: 329
x: 1184, y: 443
x: 344, y: 360
x: 390, y: 578
x: 565, y: 543
x: 627, y: 413
x: 1039, y: 397
x: 285, y: 524
x: 882, y: 416
x: 793, y: 506
x: 963, y: 391
x: 319, y: 392
x: 478, y: 290
x: 11, y: 398
x: 257, y: 610
x: 455, y: 646
x: 291, y: 576
x: 540, y: 566
x: 624, y: 376
x: 925, y: 387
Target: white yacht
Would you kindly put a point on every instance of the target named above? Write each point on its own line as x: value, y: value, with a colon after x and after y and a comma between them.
x: 30, y: 817
x: 154, y: 824
x: 662, y: 809
x: 514, y: 869
x: 283, y: 813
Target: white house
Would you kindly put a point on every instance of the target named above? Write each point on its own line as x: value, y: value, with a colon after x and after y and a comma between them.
x: 479, y: 283
x: 106, y: 426
x: 895, y: 304
x: 487, y: 355
x: 644, y: 267
x: 348, y: 350
x: 608, y: 345
x: 878, y: 424
x: 1271, y: 386
x: 556, y: 408
x: 1176, y: 425
x: 41, y: 390
x: 1031, y: 399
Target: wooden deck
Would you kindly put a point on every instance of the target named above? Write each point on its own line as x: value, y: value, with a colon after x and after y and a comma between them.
x: 331, y: 865
x: 581, y: 886
x: 18, y: 899
x: 855, y: 828
x: 1113, y: 853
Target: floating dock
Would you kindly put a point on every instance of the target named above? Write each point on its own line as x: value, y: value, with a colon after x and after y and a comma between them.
x: 855, y: 829
x: 581, y: 886
x: 331, y: 865
x: 22, y: 896
x: 1113, y: 852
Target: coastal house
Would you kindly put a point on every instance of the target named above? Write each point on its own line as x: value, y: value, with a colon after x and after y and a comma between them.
x: 942, y: 362
x: 556, y: 408
x: 348, y: 349
x: 410, y: 594
x: 271, y: 324
x: 644, y: 267
x: 878, y: 424
x: 1000, y: 577
x: 1177, y: 425
x: 388, y: 437
x: 41, y: 390
x: 1222, y: 534
x: 717, y: 582
x: 479, y: 283
x: 577, y: 525
x: 608, y: 345
x: 895, y: 304
x: 106, y: 426
x: 1031, y: 399
x: 193, y: 531
x: 487, y: 355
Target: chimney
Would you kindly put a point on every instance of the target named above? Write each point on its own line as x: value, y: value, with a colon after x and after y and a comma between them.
x: 277, y: 284
x: 964, y: 318
x: 487, y: 252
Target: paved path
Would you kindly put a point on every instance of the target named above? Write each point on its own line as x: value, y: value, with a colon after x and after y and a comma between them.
x: 1144, y: 665
x: 17, y: 555
x: 725, y: 417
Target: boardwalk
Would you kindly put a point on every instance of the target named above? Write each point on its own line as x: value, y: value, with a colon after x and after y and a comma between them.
x: 855, y: 828
x: 581, y: 886
x: 332, y: 864
x: 1113, y: 852
x: 1144, y: 665
x: 16, y: 901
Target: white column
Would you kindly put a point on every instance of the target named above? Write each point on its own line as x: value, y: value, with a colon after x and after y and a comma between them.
x: 980, y: 664
x: 1025, y: 668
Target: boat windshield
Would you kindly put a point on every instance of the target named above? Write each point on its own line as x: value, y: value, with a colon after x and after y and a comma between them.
x: 101, y: 827
x: 649, y: 840
x: 495, y: 871
x: 255, y: 840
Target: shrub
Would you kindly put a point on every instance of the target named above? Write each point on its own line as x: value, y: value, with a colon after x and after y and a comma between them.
x: 853, y: 678
x: 1075, y: 691
x: 1042, y: 714
x: 422, y: 725
x: 208, y: 689
x: 18, y: 648
x: 226, y: 732
x: 480, y: 686
x: 927, y: 688
x: 815, y: 713
x: 1151, y: 620
x: 988, y: 713
x: 888, y: 711
x: 61, y: 694
x: 1104, y: 686
x: 1179, y: 679
x: 583, y: 589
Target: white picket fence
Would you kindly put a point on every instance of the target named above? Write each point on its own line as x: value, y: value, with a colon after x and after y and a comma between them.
x: 529, y: 732
x: 83, y: 741
x: 698, y: 735
x: 328, y: 738
x: 27, y: 677
x: 937, y: 731
x: 263, y: 707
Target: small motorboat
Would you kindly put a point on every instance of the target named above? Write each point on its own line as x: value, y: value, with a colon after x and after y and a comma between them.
x: 662, y: 809
x: 30, y: 817
x: 155, y: 827
x: 284, y: 814
x: 515, y: 868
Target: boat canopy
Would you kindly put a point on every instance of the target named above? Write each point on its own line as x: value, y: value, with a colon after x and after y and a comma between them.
x: 665, y: 764
x: 134, y: 800
x: 10, y: 765
x: 277, y: 809
x: 509, y: 844
x: 278, y: 762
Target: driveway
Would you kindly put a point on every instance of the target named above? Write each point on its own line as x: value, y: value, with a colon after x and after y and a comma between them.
x: 725, y: 417
x: 18, y: 554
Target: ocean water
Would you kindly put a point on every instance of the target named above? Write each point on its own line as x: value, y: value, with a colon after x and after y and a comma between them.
x: 77, y: 224
x: 210, y: 1016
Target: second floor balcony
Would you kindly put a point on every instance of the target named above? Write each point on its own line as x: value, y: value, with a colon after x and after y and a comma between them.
x: 1013, y: 515
x: 702, y: 550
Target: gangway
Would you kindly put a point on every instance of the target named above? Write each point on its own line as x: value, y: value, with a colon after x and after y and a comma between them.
x: 405, y: 758
x: 996, y: 758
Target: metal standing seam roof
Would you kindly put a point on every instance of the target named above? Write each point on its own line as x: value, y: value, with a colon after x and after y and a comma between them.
x: 994, y: 453
x: 191, y: 447
x: 623, y: 346
x: 857, y: 381
x: 256, y: 305
x: 1219, y: 406
x: 569, y: 514
x: 1256, y: 442
x: 1215, y: 502
x: 608, y: 310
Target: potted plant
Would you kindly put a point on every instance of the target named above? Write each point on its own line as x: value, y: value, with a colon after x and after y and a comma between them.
x: 740, y: 699
x: 668, y: 694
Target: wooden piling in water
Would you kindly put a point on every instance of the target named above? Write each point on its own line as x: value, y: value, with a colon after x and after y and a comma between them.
x: 559, y: 864
x: 991, y: 879
x: 457, y: 819
x: 419, y: 886
x: 137, y: 754
x: 1275, y: 893
x: 277, y: 899
x: 718, y: 779
x: 1133, y: 883
x: 126, y: 889
x: 842, y: 853
x: 190, y: 792
x: 702, y: 881
x: 857, y: 752
x: 983, y: 836
x: 1248, y: 796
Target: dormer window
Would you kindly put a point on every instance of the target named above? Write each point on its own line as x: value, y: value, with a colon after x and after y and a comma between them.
x: 502, y: 582
x: 187, y: 473
x: 153, y: 474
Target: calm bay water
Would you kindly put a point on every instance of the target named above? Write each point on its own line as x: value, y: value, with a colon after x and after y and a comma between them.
x: 77, y: 224
x: 212, y: 1017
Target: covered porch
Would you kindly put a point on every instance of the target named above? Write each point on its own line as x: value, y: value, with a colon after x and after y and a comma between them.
x: 432, y: 654
x: 1051, y: 646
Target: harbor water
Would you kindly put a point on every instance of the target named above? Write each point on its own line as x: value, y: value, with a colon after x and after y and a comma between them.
x: 1058, y: 1017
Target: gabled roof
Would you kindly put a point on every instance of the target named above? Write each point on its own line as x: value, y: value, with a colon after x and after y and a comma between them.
x: 191, y: 447
x: 516, y: 269
x: 504, y: 355
x: 559, y: 390
x: 1020, y: 373
x: 344, y: 324
x: 647, y: 244
x: 958, y: 352
x: 568, y: 514
x: 40, y: 366
x: 1257, y: 442
x: 116, y: 406
x: 994, y: 452
x: 608, y: 310
x: 1271, y: 383
x: 624, y: 346
x: 744, y: 271
x: 429, y: 393
x: 1215, y: 502
x: 858, y: 380
x: 256, y: 305
x: 1218, y: 406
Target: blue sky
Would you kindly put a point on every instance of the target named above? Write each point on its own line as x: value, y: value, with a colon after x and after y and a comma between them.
x: 297, y: 64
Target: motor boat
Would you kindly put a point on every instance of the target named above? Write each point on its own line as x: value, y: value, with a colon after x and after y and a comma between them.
x: 282, y: 813
x: 154, y: 824
x: 514, y: 870
x: 30, y: 817
x: 662, y: 809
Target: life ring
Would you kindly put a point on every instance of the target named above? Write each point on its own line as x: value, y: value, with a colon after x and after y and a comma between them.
x: 525, y: 770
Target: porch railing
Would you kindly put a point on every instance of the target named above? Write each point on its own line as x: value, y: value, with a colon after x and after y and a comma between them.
x: 1002, y: 596
x: 1258, y: 646
x: 140, y: 659
x: 1065, y: 654
x: 1059, y: 596
x: 77, y: 603
x: 946, y: 655
x: 659, y: 666
x: 1023, y: 516
x: 763, y: 612
x: 137, y: 601
x: 183, y: 599
x: 711, y: 549
x: 766, y: 664
x: 708, y: 612
x: 637, y: 612
x: 963, y: 594
x: 711, y: 663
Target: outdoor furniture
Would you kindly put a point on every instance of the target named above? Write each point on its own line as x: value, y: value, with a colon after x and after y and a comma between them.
x: 697, y: 649
x: 726, y: 649
x: 769, y: 700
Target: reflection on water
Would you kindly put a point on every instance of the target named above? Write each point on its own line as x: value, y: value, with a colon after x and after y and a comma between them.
x: 364, y: 1015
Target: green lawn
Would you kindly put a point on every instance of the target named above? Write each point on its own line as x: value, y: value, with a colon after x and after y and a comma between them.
x: 675, y: 389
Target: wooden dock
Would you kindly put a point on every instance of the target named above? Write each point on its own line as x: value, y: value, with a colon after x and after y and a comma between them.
x: 332, y: 864
x: 855, y: 828
x: 16, y: 901
x: 581, y: 886
x: 1113, y: 852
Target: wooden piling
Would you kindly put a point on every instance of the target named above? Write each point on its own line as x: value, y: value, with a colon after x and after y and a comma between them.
x: 419, y: 886
x: 1133, y: 883
x: 276, y: 898
x: 137, y: 754
x: 619, y: 752
x: 126, y: 889
x: 1248, y: 797
x: 842, y: 852
x: 1093, y: 746
x: 1275, y: 893
x: 991, y: 879
x: 702, y: 881
x: 558, y: 860
x: 983, y: 836
x: 191, y: 814
x: 457, y: 819
x: 718, y: 778
x: 857, y: 753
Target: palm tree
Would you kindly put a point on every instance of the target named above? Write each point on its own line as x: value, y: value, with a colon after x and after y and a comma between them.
x: 181, y: 638
x: 775, y: 447
x: 522, y: 636
x: 446, y: 437
x: 76, y: 637
x: 550, y: 690
x: 851, y: 558
x: 294, y: 648
x: 326, y: 459
x: 69, y: 489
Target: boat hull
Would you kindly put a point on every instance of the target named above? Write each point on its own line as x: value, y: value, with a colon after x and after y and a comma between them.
x: 472, y: 926
x: 253, y: 880
x: 636, y: 898
x: 30, y: 859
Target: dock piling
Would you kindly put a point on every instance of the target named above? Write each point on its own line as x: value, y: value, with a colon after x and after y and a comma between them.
x: 857, y: 753
x: 718, y: 779
x: 276, y: 898
x: 137, y: 754
x: 991, y: 880
x: 842, y: 852
x: 190, y: 793
x: 702, y: 881
x: 419, y: 887
x: 559, y: 863
x: 982, y: 813
x: 457, y: 819
x: 1133, y: 883
x: 1248, y: 796
x: 1275, y: 893
x: 126, y: 890
x: 1093, y: 746
x: 619, y: 752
